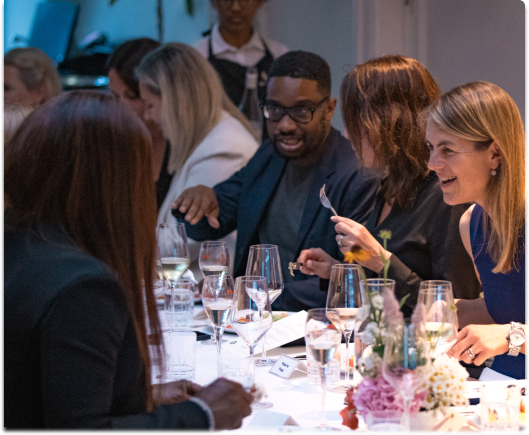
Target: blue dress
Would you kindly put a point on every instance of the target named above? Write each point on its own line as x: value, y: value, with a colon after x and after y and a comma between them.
x: 504, y: 292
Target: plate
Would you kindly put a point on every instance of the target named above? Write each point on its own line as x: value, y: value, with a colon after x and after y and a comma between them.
x: 276, y: 315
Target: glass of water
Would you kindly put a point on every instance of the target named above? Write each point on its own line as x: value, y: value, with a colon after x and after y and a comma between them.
x: 237, y: 370
x: 500, y: 406
x: 179, y: 308
x: 179, y: 347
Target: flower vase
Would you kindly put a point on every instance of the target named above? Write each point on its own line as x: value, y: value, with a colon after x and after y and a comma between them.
x: 424, y: 420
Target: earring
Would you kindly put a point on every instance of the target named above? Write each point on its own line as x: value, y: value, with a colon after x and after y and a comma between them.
x: 493, y: 172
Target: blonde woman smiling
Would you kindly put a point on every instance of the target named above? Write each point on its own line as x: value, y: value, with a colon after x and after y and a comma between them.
x: 476, y: 140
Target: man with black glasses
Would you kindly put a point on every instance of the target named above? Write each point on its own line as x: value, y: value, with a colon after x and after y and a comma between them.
x: 275, y: 198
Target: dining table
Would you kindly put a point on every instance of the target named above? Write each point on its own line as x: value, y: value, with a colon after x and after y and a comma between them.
x: 296, y: 404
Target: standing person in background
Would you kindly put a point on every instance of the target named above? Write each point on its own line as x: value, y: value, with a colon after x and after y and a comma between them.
x: 476, y: 139
x: 79, y: 255
x: 382, y: 100
x: 210, y: 138
x: 233, y: 45
x: 30, y: 78
x: 124, y: 85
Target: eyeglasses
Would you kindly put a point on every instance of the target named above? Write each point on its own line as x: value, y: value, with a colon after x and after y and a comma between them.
x: 224, y: 4
x: 301, y: 114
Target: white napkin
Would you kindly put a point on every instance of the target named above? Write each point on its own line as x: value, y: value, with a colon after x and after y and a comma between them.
x: 492, y: 375
x: 264, y: 418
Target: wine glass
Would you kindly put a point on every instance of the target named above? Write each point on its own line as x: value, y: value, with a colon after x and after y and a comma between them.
x: 159, y: 279
x: 248, y: 320
x: 343, y: 303
x: 406, y: 361
x: 441, y: 318
x: 263, y: 260
x: 174, y: 253
x: 213, y: 259
x: 218, y: 300
x: 322, y: 339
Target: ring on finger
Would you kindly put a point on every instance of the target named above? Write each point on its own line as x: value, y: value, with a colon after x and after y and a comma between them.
x: 471, y: 353
x: 340, y: 241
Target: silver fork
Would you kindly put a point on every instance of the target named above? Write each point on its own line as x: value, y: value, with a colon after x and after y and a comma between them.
x: 325, y: 201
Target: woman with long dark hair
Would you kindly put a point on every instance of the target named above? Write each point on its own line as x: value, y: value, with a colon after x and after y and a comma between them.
x: 79, y: 249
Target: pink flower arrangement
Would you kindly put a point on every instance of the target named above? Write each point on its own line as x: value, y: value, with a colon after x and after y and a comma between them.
x: 376, y: 394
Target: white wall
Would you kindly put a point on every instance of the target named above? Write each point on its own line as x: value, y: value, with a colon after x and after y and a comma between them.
x: 471, y: 40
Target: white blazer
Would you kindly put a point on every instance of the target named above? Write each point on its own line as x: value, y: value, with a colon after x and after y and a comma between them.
x: 224, y: 151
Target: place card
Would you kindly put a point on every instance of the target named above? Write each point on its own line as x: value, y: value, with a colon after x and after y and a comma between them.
x: 264, y: 418
x: 282, y: 332
x: 284, y: 366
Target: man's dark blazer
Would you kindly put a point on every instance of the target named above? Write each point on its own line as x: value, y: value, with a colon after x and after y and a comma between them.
x: 244, y: 197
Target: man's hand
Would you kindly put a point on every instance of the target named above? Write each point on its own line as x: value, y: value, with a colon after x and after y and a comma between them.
x: 316, y: 262
x: 197, y: 202
x: 174, y: 392
x: 228, y: 401
x: 485, y: 341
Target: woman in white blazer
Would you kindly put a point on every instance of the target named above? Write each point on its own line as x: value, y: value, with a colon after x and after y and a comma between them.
x: 210, y: 139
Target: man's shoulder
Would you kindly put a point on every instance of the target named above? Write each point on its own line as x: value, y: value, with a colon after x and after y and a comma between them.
x: 276, y: 48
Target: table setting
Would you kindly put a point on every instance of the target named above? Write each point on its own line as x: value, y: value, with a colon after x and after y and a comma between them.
x: 363, y: 366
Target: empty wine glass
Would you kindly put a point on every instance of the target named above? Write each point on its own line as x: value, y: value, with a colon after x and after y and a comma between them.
x: 263, y: 260
x: 343, y: 303
x: 441, y: 318
x: 250, y: 321
x: 406, y: 361
x: 174, y: 253
x: 322, y: 339
x: 218, y: 300
x: 213, y: 259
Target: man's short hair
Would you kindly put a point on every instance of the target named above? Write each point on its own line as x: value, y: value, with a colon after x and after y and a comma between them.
x: 303, y: 65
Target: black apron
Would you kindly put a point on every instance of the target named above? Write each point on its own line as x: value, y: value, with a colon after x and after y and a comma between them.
x: 233, y: 76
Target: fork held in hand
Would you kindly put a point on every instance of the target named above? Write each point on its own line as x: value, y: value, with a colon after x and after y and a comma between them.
x: 325, y: 201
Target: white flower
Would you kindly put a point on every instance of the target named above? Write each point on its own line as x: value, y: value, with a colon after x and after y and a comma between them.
x: 369, y: 334
x: 377, y: 302
x: 363, y: 312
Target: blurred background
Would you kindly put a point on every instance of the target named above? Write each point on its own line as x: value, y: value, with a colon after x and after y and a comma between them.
x: 457, y: 40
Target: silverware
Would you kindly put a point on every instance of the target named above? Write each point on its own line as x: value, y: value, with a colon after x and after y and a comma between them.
x: 325, y: 201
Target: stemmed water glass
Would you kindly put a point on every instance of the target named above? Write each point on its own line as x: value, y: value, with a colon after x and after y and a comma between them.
x: 322, y: 339
x: 406, y: 361
x: 213, y: 259
x: 263, y: 260
x: 218, y: 299
x: 441, y: 318
x: 174, y: 253
x: 250, y: 321
x: 343, y: 303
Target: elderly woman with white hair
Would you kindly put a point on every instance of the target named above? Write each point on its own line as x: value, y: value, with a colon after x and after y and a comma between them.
x: 210, y: 139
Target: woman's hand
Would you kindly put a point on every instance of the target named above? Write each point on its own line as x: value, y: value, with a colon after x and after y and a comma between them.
x: 351, y: 233
x: 174, y: 392
x: 316, y: 262
x: 484, y: 340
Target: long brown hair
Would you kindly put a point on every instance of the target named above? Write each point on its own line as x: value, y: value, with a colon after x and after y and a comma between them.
x: 383, y: 99
x: 83, y: 161
x: 484, y: 114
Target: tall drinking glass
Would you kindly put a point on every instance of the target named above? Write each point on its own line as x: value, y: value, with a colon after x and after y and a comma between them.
x: 406, y: 361
x: 323, y: 339
x: 343, y: 303
x: 213, y: 259
x: 441, y: 318
x: 174, y: 253
x: 250, y: 321
x: 263, y: 260
x: 218, y: 300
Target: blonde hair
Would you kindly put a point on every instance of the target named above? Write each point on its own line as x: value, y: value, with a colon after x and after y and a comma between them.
x: 35, y: 68
x: 484, y: 113
x: 192, y: 97
x: 14, y: 114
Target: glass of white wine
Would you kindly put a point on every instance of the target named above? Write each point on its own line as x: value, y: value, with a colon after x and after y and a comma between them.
x: 323, y: 340
x: 218, y: 300
x: 343, y: 303
x: 174, y: 252
x: 250, y: 321
x: 441, y: 316
x: 263, y: 260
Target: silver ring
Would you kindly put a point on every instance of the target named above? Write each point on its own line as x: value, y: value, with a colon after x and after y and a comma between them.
x: 340, y: 242
x: 471, y: 353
